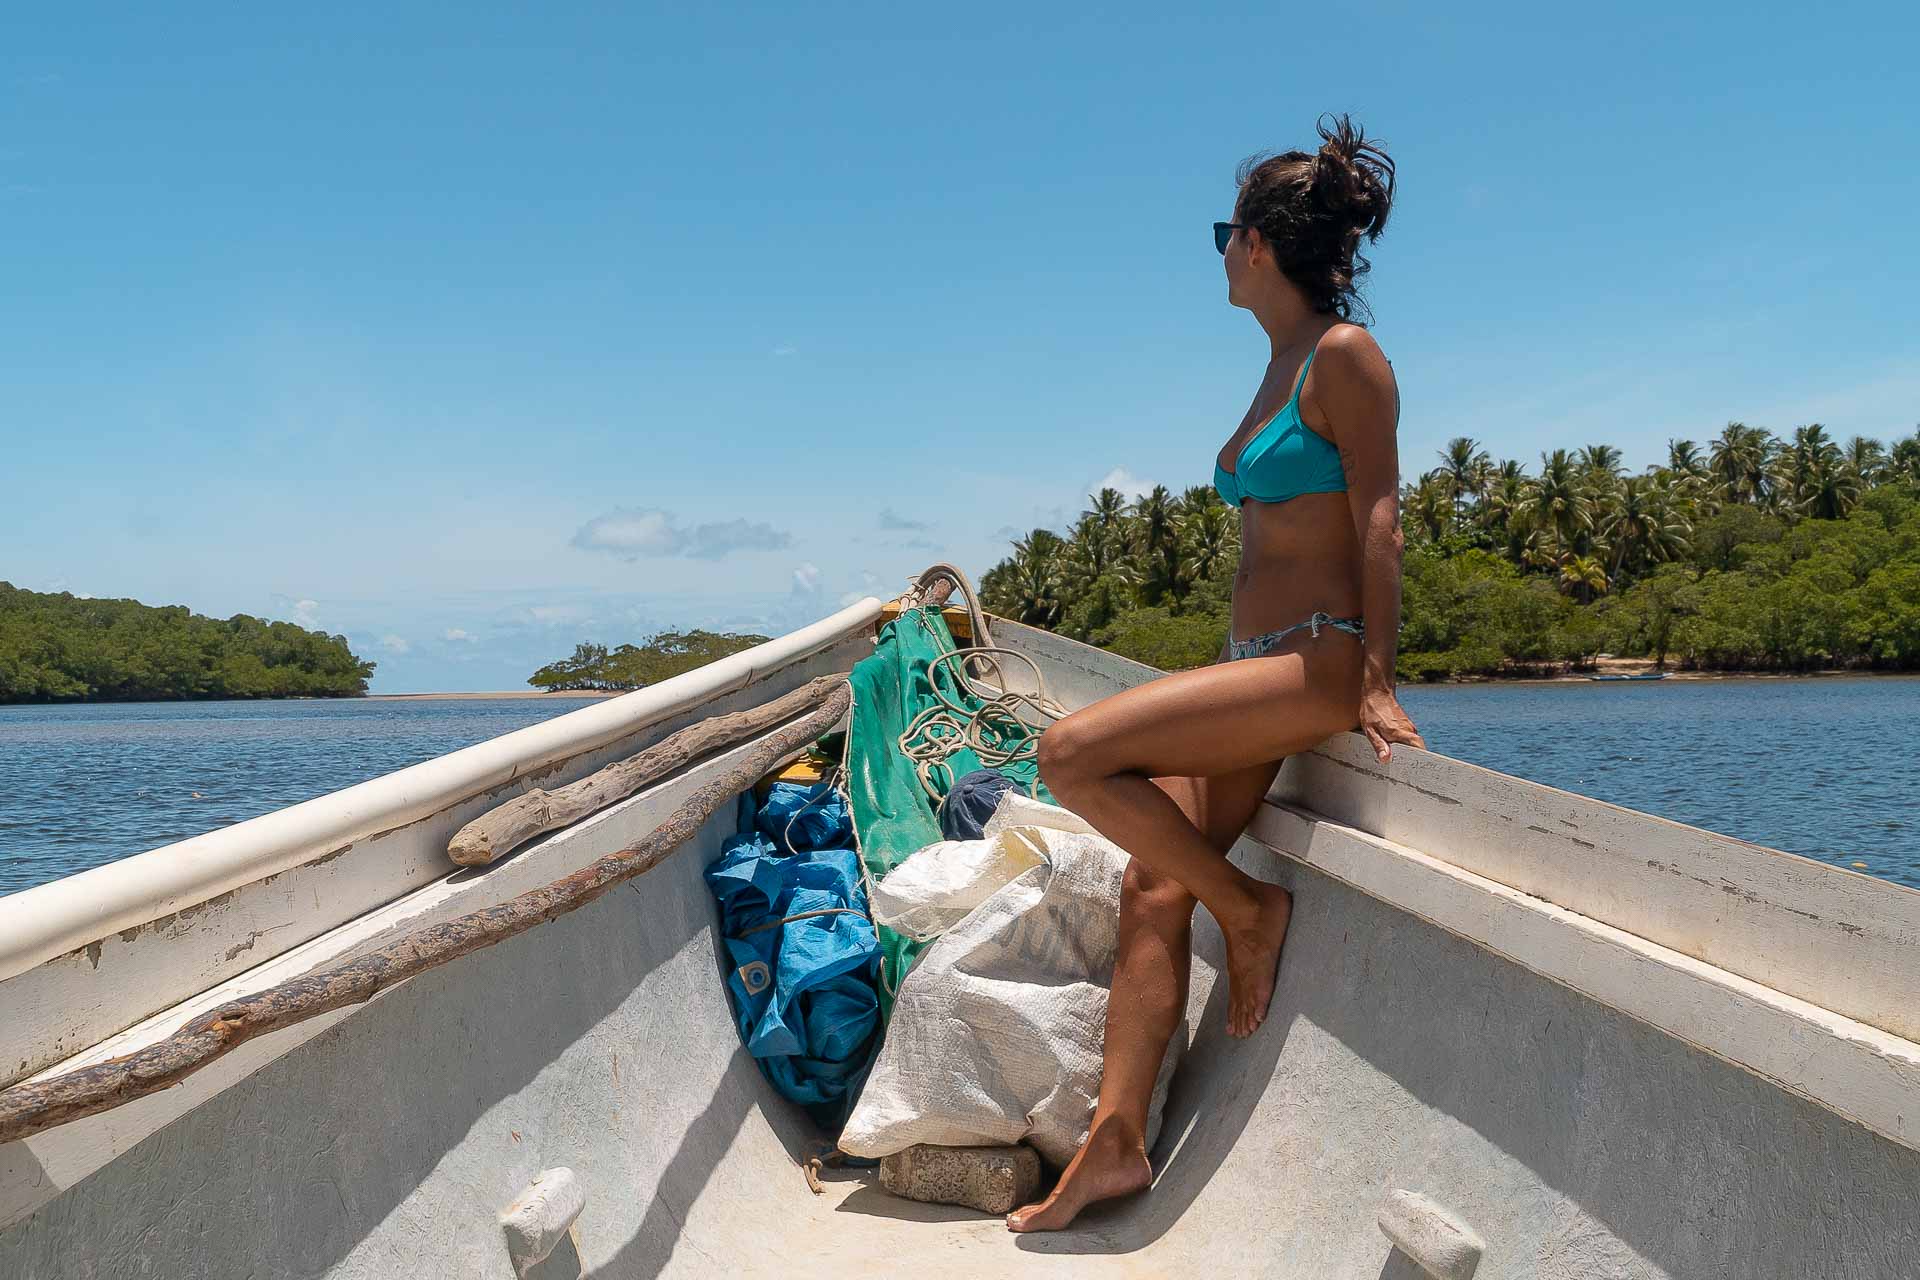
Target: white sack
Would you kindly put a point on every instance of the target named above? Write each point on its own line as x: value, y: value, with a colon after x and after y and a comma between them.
x: 935, y: 889
x: 996, y: 1035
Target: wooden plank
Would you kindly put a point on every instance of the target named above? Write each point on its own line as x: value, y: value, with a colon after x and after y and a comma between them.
x: 958, y: 620
x: 33, y: 1107
x: 69, y: 1003
x: 500, y: 831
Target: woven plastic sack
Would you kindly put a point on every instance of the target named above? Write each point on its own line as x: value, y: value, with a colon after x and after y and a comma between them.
x: 997, y: 1030
x: 893, y: 816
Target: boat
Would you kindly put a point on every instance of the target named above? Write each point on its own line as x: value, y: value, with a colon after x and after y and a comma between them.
x: 1518, y: 1032
x: 1644, y: 675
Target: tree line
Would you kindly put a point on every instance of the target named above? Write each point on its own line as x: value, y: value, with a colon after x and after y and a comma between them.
x: 658, y: 657
x: 1750, y: 552
x: 62, y: 648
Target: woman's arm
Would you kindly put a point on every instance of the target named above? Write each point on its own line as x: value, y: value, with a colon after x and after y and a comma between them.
x: 1355, y: 392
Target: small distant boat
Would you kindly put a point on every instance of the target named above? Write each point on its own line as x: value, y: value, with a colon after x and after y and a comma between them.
x: 1650, y: 675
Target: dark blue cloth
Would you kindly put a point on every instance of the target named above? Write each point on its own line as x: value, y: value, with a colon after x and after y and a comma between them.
x: 971, y: 802
x: 805, y: 992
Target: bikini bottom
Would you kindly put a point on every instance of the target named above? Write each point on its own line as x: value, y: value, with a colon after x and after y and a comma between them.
x: 1256, y: 646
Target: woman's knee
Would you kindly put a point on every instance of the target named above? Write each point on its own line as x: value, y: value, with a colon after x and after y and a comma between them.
x: 1066, y: 754
x: 1142, y: 889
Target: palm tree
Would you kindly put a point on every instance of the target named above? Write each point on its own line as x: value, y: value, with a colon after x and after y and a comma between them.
x: 1683, y: 459
x: 1866, y: 458
x: 1903, y: 460
x: 1197, y: 497
x: 1795, y: 462
x: 1500, y: 515
x: 1156, y: 544
x: 1740, y: 462
x: 1035, y: 587
x: 1428, y: 506
x: 1466, y: 467
x: 1557, y: 502
x: 1643, y: 527
x: 1600, y: 459
x: 1584, y: 577
x: 1209, y: 538
x: 1831, y: 490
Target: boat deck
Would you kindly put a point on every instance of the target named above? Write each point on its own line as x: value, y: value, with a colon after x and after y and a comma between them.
x: 1469, y: 1019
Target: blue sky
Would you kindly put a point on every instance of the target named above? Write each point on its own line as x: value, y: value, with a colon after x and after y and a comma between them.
x: 471, y: 333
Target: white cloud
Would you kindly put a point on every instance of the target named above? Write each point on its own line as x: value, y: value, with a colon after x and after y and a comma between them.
x: 394, y: 644
x: 457, y: 635
x: 786, y: 349
x: 630, y: 534
x: 553, y: 615
x: 806, y: 580
x: 890, y: 519
x: 1129, y: 485
x: 305, y: 612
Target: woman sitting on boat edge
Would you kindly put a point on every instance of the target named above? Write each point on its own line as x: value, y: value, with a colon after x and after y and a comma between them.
x: 1173, y: 770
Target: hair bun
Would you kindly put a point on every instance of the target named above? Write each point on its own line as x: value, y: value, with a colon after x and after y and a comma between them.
x: 1313, y: 208
x: 1352, y: 176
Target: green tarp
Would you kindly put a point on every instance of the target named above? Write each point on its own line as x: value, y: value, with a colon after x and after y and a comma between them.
x: 892, y: 814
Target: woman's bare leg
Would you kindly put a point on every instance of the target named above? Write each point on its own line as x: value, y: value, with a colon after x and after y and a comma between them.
x: 1101, y: 760
x: 1150, y: 974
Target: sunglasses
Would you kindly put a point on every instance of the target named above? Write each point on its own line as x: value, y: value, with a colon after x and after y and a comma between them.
x: 1223, y: 232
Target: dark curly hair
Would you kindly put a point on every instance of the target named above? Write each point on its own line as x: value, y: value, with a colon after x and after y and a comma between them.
x: 1312, y: 208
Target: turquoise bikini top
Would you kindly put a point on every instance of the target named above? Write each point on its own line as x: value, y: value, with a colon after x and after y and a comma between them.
x: 1285, y: 459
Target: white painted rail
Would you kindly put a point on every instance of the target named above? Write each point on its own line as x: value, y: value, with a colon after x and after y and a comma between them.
x: 50, y: 920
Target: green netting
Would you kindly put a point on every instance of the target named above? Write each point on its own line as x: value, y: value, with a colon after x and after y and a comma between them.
x: 892, y: 814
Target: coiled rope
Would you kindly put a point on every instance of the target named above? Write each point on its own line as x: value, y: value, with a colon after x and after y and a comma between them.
x: 1003, y: 729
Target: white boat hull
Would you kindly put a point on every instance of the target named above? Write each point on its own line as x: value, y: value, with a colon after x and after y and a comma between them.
x: 1592, y: 1100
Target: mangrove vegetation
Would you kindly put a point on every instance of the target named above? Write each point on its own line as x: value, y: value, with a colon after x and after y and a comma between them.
x: 65, y: 648
x: 627, y: 666
x: 1747, y: 553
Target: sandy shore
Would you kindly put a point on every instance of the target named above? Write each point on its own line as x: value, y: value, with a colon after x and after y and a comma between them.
x: 504, y: 693
x: 1643, y: 666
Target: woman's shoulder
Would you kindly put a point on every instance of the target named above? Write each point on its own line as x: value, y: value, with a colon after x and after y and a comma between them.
x: 1350, y: 376
x: 1347, y: 354
x: 1347, y: 342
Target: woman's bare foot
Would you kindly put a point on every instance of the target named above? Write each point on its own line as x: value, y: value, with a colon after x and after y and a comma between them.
x: 1109, y: 1163
x: 1253, y: 958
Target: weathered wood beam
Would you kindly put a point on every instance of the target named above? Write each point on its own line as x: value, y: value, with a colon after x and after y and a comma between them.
x: 500, y: 831
x: 35, y: 1106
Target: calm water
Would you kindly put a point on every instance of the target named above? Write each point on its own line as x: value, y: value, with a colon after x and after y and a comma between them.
x: 83, y: 785
x: 1821, y: 767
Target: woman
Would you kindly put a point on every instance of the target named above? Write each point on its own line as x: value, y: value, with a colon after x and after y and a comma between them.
x: 1173, y: 770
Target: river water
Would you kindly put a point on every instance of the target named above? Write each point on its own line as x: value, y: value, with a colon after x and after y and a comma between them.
x: 1822, y: 767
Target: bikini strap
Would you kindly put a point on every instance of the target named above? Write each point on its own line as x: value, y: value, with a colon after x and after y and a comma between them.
x: 1307, y: 364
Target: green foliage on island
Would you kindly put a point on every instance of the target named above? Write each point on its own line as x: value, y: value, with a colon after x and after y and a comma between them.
x: 61, y: 648
x: 1752, y: 553
x: 659, y: 657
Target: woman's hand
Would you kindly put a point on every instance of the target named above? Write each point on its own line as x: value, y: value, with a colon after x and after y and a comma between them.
x: 1384, y: 721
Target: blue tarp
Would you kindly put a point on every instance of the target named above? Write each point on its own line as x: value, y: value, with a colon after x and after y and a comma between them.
x: 805, y: 992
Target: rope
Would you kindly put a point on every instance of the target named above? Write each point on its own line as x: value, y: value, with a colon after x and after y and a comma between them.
x: 805, y: 915
x: 812, y: 1166
x: 1003, y: 729
x: 923, y: 593
x: 827, y: 787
